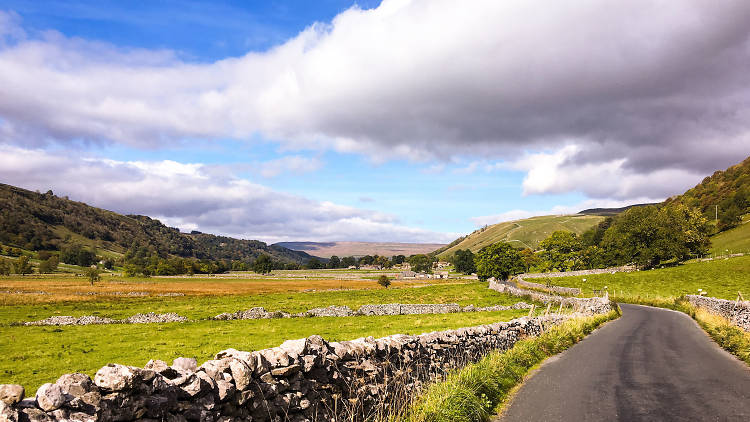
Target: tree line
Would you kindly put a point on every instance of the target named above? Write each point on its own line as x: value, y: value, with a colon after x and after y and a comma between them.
x: 645, y: 236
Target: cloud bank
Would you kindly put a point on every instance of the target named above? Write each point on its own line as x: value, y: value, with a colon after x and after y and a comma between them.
x: 636, y: 88
x: 196, y: 197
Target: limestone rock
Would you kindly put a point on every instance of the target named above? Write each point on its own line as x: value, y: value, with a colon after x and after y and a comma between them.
x: 50, y: 397
x: 11, y: 393
x: 185, y: 364
x: 115, y: 377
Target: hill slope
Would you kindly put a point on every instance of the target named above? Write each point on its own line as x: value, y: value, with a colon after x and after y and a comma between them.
x: 525, y: 233
x: 723, y: 189
x: 38, y: 221
x: 359, y: 249
x: 733, y: 240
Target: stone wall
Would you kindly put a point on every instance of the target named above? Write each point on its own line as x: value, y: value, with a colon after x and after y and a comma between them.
x: 554, y: 289
x: 624, y: 268
x: 301, y: 380
x: 736, y: 311
x: 589, y: 305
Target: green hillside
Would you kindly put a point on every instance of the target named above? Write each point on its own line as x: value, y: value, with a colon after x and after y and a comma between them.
x: 733, y: 240
x: 43, y: 221
x: 526, y: 233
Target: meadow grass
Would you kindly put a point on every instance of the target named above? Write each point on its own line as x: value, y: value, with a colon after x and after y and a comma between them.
x: 32, y: 356
x: 201, y: 307
x: 721, y: 278
x: 727, y: 335
x: 734, y: 240
x: 475, y: 392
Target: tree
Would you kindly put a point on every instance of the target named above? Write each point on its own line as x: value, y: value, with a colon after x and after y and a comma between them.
x: 263, y: 264
x: 334, y: 262
x: 5, y: 266
x: 48, y: 265
x: 383, y: 262
x: 650, y: 235
x: 366, y: 260
x: 530, y: 259
x: 463, y: 261
x: 560, y: 251
x: 384, y: 281
x: 348, y: 261
x: 398, y: 259
x: 22, y: 265
x: 93, y: 274
x: 420, y: 263
x: 730, y: 218
x: 498, y: 260
x: 314, y: 264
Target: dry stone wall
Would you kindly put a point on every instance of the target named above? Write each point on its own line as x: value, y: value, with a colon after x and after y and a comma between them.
x: 589, y: 305
x: 736, y: 311
x: 301, y: 380
x: 611, y: 270
x: 554, y: 289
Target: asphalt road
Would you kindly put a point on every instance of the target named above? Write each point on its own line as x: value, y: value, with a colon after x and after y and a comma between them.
x: 649, y: 365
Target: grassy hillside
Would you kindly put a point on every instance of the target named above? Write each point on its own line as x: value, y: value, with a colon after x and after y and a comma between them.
x: 43, y: 221
x: 525, y: 233
x: 733, y: 240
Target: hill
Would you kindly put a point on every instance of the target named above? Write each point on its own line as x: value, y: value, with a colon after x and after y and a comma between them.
x: 360, y: 249
x: 722, y: 193
x: 44, y: 221
x: 526, y: 233
x: 610, y: 212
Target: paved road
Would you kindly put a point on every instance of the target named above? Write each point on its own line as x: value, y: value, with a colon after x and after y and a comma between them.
x: 649, y: 365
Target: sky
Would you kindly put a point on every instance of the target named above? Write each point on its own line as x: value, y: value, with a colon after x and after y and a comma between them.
x: 400, y: 120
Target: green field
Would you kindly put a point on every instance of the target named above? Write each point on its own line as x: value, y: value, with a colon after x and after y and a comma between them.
x: 526, y: 233
x: 32, y: 356
x: 201, y: 307
x: 734, y: 240
x: 721, y: 278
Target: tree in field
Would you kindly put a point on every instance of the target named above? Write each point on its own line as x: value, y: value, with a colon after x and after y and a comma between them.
x: 560, y: 251
x: 348, y: 261
x: 314, y: 264
x: 421, y: 263
x: 22, y: 265
x: 499, y: 260
x: 463, y: 261
x: 263, y: 264
x: 650, y: 235
x: 334, y: 262
x: 384, y: 281
x: 93, y: 274
x: 5, y: 266
x: 48, y: 265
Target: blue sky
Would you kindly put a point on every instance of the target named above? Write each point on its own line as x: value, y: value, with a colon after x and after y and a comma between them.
x: 411, y: 120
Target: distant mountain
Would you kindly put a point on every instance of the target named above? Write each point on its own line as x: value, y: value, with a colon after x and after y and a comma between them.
x: 44, y: 221
x: 526, y: 233
x: 359, y: 249
x: 608, y: 212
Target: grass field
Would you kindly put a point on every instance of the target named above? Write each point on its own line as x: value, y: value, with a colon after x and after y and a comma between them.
x: 41, y: 354
x: 35, y: 355
x: 721, y: 278
x: 204, y: 306
x: 734, y: 240
x: 526, y: 233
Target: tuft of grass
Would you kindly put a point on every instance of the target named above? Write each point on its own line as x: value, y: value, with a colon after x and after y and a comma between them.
x: 727, y: 335
x: 475, y: 392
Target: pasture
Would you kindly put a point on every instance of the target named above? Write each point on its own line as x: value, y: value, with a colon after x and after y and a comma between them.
x: 721, y: 278
x: 32, y: 356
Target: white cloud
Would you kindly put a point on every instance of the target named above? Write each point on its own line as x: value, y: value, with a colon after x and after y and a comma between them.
x: 660, y: 85
x: 557, y: 172
x: 193, y: 197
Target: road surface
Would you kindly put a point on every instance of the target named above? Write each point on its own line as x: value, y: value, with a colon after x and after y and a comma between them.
x: 649, y: 365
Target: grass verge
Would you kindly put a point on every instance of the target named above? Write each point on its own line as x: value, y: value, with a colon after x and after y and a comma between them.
x: 476, y: 391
